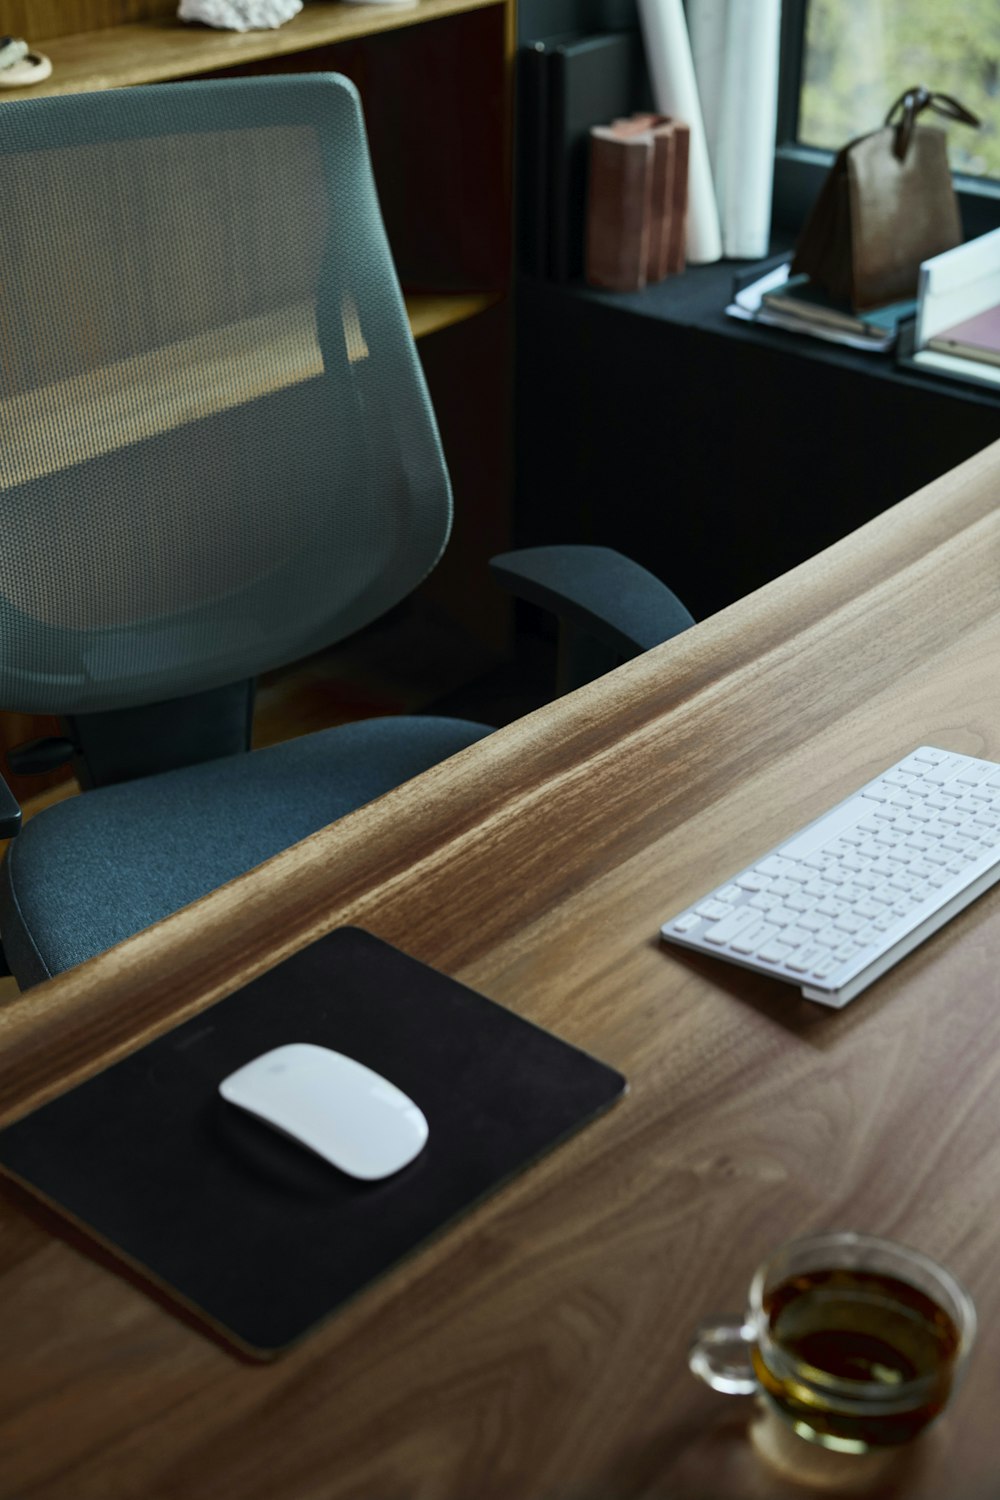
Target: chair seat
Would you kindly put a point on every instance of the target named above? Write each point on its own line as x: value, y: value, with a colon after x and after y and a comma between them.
x: 87, y: 873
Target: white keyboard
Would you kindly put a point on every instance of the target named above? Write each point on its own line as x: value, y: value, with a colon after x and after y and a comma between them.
x: 845, y: 898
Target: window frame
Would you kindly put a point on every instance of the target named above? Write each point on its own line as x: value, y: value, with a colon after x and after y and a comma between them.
x: 799, y: 170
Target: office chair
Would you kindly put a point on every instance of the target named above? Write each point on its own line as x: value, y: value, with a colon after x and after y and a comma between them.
x: 217, y: 455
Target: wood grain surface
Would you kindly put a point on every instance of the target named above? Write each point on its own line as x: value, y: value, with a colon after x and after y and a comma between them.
x: 537, y: 1350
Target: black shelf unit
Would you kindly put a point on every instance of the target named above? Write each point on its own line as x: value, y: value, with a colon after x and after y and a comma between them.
x: 717, y: 453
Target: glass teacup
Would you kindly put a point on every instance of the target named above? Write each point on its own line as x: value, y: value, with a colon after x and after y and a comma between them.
x: 856, y: 1342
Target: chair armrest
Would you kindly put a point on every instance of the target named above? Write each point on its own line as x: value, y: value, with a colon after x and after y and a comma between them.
x: 610, y: 609
x: 10, y: 812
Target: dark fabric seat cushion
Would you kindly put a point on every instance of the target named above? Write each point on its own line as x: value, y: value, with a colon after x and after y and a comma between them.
x: 89, y: 872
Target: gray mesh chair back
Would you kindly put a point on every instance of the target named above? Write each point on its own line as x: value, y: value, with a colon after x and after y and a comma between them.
x: 217, y: 453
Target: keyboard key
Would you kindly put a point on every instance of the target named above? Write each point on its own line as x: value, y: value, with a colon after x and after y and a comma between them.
x: 712, y: 910
x: 936, y: 856
x: 723, y: 932
x: 940, y: 774
x: 936, y: 830
x: 686, y: 923
x: 796, y: 936
x: 829, y: 906
x: 773, y: 952
x: 807, y: 958
x: 753, y: 937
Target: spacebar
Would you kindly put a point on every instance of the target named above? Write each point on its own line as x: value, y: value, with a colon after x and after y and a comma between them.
x: 826, y: 829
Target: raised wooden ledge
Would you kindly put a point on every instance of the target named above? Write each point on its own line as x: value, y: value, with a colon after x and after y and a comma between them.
x: 162, y: 48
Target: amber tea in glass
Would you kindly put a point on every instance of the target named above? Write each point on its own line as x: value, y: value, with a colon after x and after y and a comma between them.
x: 855, y: 1341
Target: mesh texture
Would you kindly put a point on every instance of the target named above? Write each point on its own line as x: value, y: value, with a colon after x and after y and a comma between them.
x: 217, y: 452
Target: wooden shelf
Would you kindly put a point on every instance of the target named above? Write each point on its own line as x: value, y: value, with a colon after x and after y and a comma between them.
x: 162, y: 48
x: 428, y: 312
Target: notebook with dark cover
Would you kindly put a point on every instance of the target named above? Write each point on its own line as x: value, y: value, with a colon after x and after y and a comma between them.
x: 533, y: 152
x: 254, y: 1234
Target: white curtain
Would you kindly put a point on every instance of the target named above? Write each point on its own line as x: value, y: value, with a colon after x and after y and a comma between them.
x: 717, y: 69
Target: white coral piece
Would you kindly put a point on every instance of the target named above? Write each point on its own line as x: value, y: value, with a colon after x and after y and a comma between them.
x: 240, y: 15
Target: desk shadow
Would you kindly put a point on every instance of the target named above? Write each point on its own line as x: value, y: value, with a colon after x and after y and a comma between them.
x: 738, y: 1456
x: 819, y: 1025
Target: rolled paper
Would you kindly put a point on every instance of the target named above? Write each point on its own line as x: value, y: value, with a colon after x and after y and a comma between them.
x: 675, y: 92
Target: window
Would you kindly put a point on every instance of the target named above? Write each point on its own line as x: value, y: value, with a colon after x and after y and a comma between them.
x: 843, y: 64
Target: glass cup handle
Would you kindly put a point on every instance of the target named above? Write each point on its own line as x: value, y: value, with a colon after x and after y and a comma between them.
x: 720, y: 1356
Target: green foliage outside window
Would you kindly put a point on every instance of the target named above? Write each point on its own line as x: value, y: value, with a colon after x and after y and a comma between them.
x: 861, y: 54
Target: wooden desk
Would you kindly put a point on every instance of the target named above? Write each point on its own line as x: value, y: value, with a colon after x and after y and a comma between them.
x: 536, y: 1351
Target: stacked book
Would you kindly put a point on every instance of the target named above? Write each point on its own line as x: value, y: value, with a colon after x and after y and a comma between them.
x: 806, y: 307
x: 636, y: 202
x: 799, y: 305
x: 976, y: 338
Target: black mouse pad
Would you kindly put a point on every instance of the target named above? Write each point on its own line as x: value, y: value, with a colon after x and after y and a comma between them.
x: 250, y: 1230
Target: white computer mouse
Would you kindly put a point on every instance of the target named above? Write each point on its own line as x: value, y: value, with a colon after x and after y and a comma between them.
x: 353, y: 1117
